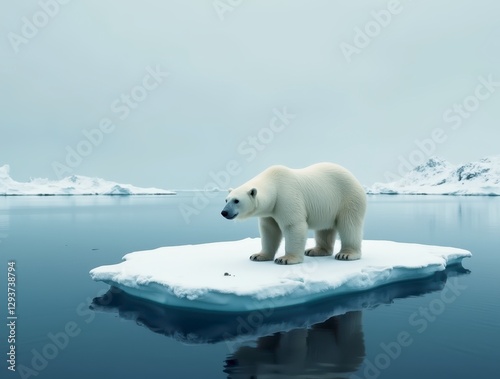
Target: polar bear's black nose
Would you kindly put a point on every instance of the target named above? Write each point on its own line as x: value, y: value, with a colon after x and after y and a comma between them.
x: 224, y: 213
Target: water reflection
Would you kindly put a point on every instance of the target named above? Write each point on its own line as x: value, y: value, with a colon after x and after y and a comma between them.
x: 4, y: 225
x: 329, y: 349
x: 436, y: 215
x: 320, y: 339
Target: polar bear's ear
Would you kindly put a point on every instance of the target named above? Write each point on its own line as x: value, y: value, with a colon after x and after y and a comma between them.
x: 230, y: 189
x: 253, y: 192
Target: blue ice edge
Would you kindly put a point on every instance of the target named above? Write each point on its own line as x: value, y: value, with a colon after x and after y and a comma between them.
x: 288, y: 291
x: 227, y: 302
x: 201, y: 327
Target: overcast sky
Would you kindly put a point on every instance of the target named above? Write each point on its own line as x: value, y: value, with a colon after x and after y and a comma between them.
x: 185, y: 88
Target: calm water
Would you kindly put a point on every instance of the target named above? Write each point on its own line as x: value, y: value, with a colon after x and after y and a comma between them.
x: 68, y: 326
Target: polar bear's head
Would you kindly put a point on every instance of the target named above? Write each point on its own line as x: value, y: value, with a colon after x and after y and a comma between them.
x: 240, y: 203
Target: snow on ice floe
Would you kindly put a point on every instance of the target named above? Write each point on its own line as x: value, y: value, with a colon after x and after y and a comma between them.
x: 220, y: 277
x: 71, y: 185
x: 439, y: 177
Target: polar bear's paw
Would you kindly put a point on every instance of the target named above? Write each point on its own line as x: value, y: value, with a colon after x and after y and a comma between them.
x: 259, y: 257
x: 348, y: 255
x: 317, y: 252
x: 288, y: 260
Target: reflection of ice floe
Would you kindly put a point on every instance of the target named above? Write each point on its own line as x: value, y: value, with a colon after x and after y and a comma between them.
x: 220, y: 277
x: 330, y: 349
x: 198, y: 327
x: 333, y: 348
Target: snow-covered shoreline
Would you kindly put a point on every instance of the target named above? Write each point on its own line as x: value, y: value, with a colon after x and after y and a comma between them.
x: 435, y: 177
x: 75, y: 185
x: 440, y: 177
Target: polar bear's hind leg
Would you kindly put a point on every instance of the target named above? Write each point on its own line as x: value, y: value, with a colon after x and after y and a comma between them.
x: 351, y: 235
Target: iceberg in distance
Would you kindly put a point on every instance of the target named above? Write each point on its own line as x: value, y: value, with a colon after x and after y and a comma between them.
x: 71, y: 185
x: 220, y: 277
x: 439, y: 177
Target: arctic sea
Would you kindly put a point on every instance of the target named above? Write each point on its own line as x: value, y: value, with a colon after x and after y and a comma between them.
x: 68, y: 326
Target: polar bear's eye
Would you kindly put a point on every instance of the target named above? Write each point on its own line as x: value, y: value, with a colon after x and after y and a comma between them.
x: 236, y: 201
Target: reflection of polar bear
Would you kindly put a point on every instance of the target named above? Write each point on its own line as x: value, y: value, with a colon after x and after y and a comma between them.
x: 324, y: 197
x: 332, y: 349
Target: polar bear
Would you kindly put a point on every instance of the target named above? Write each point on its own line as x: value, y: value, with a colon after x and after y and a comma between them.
x: 324, y: 197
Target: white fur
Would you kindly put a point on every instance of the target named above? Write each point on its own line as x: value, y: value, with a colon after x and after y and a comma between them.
x: 324, y: 197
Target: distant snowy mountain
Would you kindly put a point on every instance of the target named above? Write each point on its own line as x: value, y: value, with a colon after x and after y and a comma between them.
x: 71, y: 185
x: 439, y: 177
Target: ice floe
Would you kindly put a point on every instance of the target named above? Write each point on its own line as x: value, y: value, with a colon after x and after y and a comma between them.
x: 220, y: 277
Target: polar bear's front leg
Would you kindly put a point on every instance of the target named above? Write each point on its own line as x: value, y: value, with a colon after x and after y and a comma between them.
x: 270, y: 234
x: 295, y: 243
